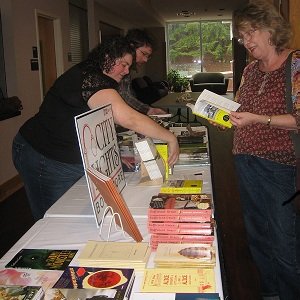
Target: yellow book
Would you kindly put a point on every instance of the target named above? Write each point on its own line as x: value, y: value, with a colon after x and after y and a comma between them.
x: 182, y: 186
x: 162, y: 150
x: 214, y: 107
x: 101, y: 251
x: 185, y: 255
x: 180, y: 280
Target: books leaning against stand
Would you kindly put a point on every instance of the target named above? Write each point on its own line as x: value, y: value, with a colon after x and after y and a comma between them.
x: 21, y: 292
x: 115, y: 254
x: 179, y: 186
x: 115, y: 282
x: 42, y: 259
x: 114, y: 199
x: 185, y: 256
x: 178, y: 280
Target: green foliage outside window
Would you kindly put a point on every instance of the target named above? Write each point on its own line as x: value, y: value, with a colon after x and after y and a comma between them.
x: 199, y: 46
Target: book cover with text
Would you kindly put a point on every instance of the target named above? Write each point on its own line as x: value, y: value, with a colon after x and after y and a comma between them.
x: 177, y: 280
x: 43, y: 259
x: 99, y: 149
x: 118, y: 280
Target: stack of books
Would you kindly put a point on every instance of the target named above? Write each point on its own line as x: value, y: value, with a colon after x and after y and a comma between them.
x: 115, y: 254
x: 193, y: 145
x: 180, y: 218
x: 185, y: 255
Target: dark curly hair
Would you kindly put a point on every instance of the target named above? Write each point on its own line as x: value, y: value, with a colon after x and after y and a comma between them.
x: 263, y: 15
x: 104, y: 56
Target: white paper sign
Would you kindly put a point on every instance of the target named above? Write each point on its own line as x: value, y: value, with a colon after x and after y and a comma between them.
x: 99, y: 149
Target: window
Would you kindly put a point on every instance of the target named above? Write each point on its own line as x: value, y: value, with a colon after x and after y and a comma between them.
x: 79, y: 43
x: 204, y: 46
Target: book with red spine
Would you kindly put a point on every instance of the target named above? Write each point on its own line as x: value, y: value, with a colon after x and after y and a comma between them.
x: 156, y: 239
x: 177, y: 229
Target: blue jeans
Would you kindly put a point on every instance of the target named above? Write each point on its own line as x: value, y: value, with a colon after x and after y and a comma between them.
x: 45, y: 180
x: 273, y: 230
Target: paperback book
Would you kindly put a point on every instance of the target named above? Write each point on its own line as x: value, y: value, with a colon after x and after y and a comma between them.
x: 180, y: 207
x: 113, y: 199
x: 42, y: 259
x: 115, y: 254
x: 156, y: 239
x: 214, y: 107
x: 116, y: 281
x: 185, y: 255
x: 178, y: 280
x: 29, y: 277
x: 180, y: 228
x: 81, y: 294
x: 21, y: 292
x: 181, y: 186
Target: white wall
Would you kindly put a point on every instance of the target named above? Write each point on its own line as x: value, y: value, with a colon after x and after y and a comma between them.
x: 19, y: 36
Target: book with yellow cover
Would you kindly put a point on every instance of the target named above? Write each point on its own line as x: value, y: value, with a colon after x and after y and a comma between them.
x: 185, y: 255
x: 115, y: 254
x: 178, y: 280
x: 181, y: 186
x: 214, y: 107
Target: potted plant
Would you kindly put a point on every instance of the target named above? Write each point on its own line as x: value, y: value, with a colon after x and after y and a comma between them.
x: 177, y: 82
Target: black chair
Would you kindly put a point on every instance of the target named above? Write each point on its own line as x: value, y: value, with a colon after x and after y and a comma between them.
x: 148, y: 91
x: 212, y: 81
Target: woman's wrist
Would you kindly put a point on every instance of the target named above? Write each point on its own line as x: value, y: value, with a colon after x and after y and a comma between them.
x: 269, y: 120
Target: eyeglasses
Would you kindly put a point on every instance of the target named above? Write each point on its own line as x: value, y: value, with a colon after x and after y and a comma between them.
x: 147, y: 55
x: 247, y: 35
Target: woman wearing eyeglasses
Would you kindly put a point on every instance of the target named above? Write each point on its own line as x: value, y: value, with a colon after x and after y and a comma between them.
x: 46, y: 150
x: 264, y: 153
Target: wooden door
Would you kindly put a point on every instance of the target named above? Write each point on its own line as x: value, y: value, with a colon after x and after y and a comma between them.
x: 47, y: 52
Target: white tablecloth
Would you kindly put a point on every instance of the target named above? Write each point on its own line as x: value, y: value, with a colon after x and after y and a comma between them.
x: 73, y: 233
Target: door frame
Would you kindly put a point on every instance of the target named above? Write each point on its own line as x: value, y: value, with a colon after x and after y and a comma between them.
x: 58, y: 44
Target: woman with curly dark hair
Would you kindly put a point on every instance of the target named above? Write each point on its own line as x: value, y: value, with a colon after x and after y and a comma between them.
x: 46, y: 151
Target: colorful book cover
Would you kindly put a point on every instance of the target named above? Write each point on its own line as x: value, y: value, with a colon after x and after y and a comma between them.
x: 29, y: 277
x: 42, y: 259
x: 192, y: 205
x: 179, y: 280
x: 181, y: 186
x: 20, y: 292
x: 118, y: 280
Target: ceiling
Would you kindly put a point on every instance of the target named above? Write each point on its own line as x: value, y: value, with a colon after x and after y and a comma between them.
x: 153, y: 13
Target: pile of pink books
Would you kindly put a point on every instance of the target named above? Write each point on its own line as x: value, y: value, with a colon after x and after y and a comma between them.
x: 180, y: 218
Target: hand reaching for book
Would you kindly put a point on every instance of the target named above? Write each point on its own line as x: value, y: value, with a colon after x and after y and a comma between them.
x: 173, y: 149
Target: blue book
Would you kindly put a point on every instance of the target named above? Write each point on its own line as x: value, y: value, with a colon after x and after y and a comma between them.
x: 197, y: 296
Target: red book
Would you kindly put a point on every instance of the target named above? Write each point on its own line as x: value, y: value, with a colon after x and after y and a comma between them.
x: 180, y: 228
x: 179, y: 238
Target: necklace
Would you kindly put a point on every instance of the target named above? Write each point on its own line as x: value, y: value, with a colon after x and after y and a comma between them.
x: 262, y: 86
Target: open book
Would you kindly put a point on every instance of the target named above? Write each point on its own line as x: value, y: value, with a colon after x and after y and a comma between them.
x: 214, y: 107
